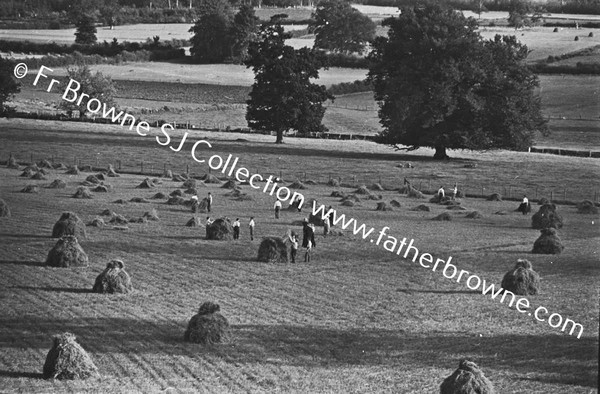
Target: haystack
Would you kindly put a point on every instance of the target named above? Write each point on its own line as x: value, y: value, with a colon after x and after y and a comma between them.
x: 175, y: 201
x: 100, y: 176
x: 297, y: 185
x: 4, y: 209
x: 208, y: 326
x: 376, y: 187
x: 87, y: 168
x: 146, y: 184
x: 158, y: 196
x: 200, y: 206
x: 82, y: 192
x: 111, y: 172
x: 230, y: 184
x: 333, y: 182
x: 543, y: 201
x: 68, y: 360
x: 414, y: 193
x: 422, y: 208
x: 97, y: 222
x: 93, y: 179
x: 374, y: 197
x: 67, y: 253
x: 522, y: 280
x: 587, y: 207
x: 72, y: 170
x: 69, y: 224
x: 12, y: 162
x: 139, y: 200
x: 114, y: 279
x: 107, y: 212
x: 30, y: 189
x: 178, y: 178
x: 495, y: 197
x: 474, y: 215
x: 151, y: 215
x: 194, y: 222
x: 347, y: 203
x: 548, y: 242
x: 27, y: 173
x: 443, y: 217
x: 351, y: 197
x: 88, y: 184
x: 362, y: 190
x: 381, y: 206
x: 546, y: 217
x: 273, y: 250
x: 395, y: 204
x: 295, y: 204
x: 467, y: 379
x: 189, y: 184
x: 210, y: 178
x: 101, y: 189
x: 45, y: 164
x: 33, y: 168
x: 176, y: 193
x: 337, y: 193
x: 220, y: 229
x: 167, y: 174
x: 59, y: 166
x: 191, y: 190
x: 118, y: 219
x: 57, y: 184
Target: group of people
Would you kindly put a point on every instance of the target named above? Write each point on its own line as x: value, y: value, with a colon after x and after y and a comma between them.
x: 308, y: 241
x: 441, y: 192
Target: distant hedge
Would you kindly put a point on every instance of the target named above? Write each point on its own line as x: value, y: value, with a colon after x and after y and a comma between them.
x: 357, y: 86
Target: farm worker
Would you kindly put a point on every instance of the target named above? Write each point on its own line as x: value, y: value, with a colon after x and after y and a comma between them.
x: 209, y: 201
x: 195, y: 203
x: 251, y: 227
x: 294, y: 242
x: 277, y: 207
x: 441, y: 193
x: 208, y: 221
x: 236, y: 229
x: 326, y: 225
x: 454, y: 191
x: 309, y: 242
x: 524, y: 208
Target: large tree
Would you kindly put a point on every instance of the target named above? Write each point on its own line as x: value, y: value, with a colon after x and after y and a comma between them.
x: 243, y: 31
x: 95, y: 86
x: 8, y: 85
x: 440, y: 85
x: 283, y: 97
x: 339, y: 27
x: 211, y: 42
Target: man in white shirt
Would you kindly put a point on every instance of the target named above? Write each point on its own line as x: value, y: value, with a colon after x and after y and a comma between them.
x: 441, y: 193
x: 210, y: 200
x: 454, y: 191
x: 525, y: 208
x: 251, y: 226
x: 236, y: 229
x: 277, y: 207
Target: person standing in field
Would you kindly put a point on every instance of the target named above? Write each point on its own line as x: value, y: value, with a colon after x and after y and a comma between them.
x: 326, y: 225
x: 441, y: 194
x: 454, y: 191
x: 251, y: 227
x: 294, y: 246
x: 208, y: 223
x: 209, y: 202
x: 309, y: 240
x: 525, y: 208
x: 277, y: 207
x: 236, y: 229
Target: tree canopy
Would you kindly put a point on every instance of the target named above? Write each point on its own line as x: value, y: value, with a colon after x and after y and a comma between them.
x: 8, y: 85
x: 339, y: 27
x: 283, y: 97
x: 440, y: 85
x: 95, y: 85
x: 220, y: 35
x: 85, y: 32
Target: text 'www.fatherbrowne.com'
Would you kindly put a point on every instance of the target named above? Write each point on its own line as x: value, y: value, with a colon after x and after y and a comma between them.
x: 408, y: 250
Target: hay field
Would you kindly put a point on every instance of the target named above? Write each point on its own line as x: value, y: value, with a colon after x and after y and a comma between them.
x: 356, y: 319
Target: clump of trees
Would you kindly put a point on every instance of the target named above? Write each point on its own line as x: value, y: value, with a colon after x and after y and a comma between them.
x: 219, y: 35
x: 8, y: 84
x: 339, y: 27
x: 96, y: 86
x: 439, y: 84
x: 85, y: 32
x: 283, y: 97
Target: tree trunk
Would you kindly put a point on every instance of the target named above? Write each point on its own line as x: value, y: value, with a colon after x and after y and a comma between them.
x: 440, y: 153
x: 279, y: 139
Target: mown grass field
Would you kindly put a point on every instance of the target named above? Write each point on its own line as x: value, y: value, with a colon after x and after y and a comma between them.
x: 356, y: 319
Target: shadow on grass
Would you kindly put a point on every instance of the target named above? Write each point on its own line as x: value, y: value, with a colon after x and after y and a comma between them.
x: 562, y: 358
x: 56, y: 289
x: 16, y: 374
x: 26, y: 263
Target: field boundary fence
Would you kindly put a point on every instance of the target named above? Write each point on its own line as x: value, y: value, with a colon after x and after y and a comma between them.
x: 427, y: 185
x: 222, y: 127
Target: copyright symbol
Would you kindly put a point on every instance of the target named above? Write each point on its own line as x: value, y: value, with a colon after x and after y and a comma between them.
x: 20, y: 70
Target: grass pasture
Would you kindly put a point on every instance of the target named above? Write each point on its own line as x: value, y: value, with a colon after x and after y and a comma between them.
x: 356, y: 319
